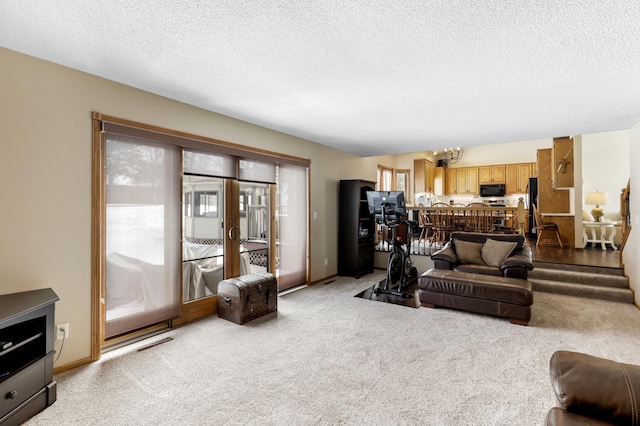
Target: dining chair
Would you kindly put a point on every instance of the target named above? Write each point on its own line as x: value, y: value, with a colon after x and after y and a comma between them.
x: 542, y: 227
x: 441, y: 223
x: 480, y: 218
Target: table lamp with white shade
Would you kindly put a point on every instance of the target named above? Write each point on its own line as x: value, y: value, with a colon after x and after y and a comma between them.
x: 597, y: 199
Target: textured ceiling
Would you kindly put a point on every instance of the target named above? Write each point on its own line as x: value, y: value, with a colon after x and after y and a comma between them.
x: 366, y: 76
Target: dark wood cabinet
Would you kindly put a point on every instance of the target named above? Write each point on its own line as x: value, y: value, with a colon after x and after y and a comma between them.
x: 26, y: 354
x: 356, y: 229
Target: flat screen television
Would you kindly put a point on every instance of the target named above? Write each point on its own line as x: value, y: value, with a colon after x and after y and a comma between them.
x: 386, y: 205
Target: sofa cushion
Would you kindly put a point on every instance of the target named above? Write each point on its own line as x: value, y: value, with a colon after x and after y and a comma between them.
x: 477, y: 237
x: 469, y: 252
x: 494, y: 252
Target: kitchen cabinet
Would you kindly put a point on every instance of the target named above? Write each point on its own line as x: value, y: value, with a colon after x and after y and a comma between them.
x: 492, y: 174
x: 517, y: 178
x: 467, y: 180
x: 429, y: 169
x: 512, y: 179
x: 462, y: 181
x: 438, y: 181
x: 562, y: 157
x: 423, y: 176
x: 550, y: 199
x: 473, y: 185
x: 451, y: 182
x: 524, y: 174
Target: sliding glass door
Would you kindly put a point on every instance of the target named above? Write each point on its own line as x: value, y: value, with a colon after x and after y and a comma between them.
x: 225, y: 227
x: 169, y: 247
x: 174, y: 214
x: 211, y: 244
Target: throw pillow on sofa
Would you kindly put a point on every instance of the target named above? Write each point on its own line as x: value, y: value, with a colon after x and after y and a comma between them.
x: 495, y: 252
x: 468, y: 252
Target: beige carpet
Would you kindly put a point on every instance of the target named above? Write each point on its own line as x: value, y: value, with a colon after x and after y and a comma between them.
x: 328, y: 357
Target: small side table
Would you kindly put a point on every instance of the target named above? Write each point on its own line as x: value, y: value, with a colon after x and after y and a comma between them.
x: 605, y: 228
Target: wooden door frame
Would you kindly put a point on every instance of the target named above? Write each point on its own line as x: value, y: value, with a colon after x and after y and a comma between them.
x: 98, y: 234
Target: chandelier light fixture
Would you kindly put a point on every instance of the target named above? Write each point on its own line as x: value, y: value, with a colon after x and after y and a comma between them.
x: 451, y: 155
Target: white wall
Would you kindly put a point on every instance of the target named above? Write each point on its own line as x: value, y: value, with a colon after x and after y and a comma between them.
x: 631, y: 252
x: 605, y: 168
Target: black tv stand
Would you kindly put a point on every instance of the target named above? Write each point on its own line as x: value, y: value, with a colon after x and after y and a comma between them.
x: 26, y: 354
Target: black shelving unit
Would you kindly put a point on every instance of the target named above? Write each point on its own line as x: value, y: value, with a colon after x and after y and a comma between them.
x: 26, y: 354
x: 356, y: 229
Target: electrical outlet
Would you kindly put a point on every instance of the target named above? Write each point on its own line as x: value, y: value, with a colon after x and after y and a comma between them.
x: 326, y: 261
x: 62, y: 331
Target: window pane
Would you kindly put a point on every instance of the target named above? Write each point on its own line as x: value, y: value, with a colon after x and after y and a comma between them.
x: 254, y: 227
x: 385, y: 179
x: 206, y: 204
x: 202, y: 237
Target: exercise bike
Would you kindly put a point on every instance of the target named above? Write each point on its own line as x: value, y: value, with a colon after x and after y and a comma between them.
x: 400, y: 270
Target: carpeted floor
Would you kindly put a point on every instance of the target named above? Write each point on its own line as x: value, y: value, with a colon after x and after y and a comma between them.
x: 327, y: 357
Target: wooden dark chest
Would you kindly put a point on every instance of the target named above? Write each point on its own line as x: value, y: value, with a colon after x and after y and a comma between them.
x: 247, y: 297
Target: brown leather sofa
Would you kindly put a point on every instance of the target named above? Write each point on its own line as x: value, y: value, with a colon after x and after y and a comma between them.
x: 593, y: 391
x: 485, y: 254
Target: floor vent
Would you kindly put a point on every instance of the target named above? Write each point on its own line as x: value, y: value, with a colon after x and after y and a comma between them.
x: 329, y: 282
x: 150, y: 345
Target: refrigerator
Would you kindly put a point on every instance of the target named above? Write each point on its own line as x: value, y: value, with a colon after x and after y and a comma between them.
x: 532, y: 198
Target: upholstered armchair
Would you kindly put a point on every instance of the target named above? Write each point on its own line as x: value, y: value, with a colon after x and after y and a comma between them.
x: 593, y: 391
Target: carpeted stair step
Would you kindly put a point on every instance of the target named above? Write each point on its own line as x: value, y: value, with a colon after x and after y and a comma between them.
x: 579, y: 268
x: 623, y: 295
x: 594, y: 279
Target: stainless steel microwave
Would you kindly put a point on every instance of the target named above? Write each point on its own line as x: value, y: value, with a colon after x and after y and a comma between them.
x: 493, y: 190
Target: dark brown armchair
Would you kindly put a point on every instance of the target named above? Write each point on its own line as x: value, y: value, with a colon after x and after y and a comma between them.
x: 593, y: 391
x: 503, y: 255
